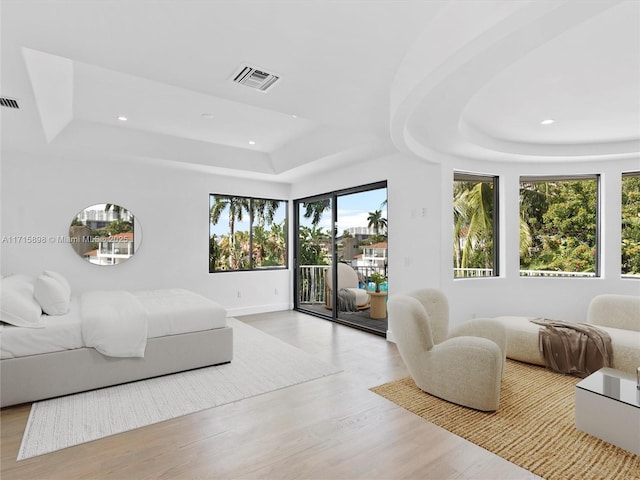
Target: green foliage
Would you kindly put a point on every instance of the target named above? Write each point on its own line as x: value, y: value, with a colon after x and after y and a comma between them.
x: 375, y: 238
x: 265, y: 245
x: 269, y: 246
x: 214, y: 253
x: 315, y: 210
x: 312, y: 244
x: 473, y: 212
x: 377, y: 278
x: 561, y: 218
x: 114, y: 227
x: 631, y: 225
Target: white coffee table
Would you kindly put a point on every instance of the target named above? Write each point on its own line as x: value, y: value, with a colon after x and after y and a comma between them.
x: 608, y: 407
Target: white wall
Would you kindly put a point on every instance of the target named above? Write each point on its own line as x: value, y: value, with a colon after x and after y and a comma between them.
x: 41, y: 195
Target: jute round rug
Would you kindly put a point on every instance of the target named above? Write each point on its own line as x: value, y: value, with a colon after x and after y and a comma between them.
x: 533, y: 428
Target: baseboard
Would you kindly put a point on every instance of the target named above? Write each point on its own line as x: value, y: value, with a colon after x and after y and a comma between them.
x: 390, y: 337
x: 277, y: 307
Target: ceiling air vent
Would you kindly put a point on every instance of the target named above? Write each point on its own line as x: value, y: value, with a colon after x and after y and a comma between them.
x: 9, y: 102
x: 254, y: 78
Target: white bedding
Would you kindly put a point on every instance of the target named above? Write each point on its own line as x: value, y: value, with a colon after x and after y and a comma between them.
x: 175, y: 311
x: 61, y: 332
x: 114, y: 323
x: 168, y: 313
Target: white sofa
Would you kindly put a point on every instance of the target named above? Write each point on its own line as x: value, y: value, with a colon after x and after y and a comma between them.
x: 618, y: 315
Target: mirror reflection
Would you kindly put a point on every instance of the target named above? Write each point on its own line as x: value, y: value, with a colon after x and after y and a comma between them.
x: 105, y: 234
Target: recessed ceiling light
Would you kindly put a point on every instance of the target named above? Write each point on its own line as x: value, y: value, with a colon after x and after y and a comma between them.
x: 207, y: 115
x: 547, y: 121
x: 251, y: 142
x: 122, y: 118
x: 294, y: 116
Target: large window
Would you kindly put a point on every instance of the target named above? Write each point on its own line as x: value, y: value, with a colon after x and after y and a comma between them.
x: 631, y: 224
x: 559, y: 226
x: 475, y: 214
x: 246, y: 233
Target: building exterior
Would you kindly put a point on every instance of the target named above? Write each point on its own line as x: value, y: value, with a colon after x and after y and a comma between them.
x: 112, y: 250
x: 374, y: 258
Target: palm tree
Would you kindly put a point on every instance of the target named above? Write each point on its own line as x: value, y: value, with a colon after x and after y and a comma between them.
x: 214, y: 253
x: 376, y: 221
x: 118, y: 211
x: 315, y: 210
x: 260, y: 239
x: 473, y: 223
x: 526, y: 239
x: 220, y: 255
x: 116, y: 208
x: 311, y: 240
x: 264, y: 210
x: 237, y: 207
x: 239, y: 251
x: 277, y: 242
x: 460, y: 216
x: 480, y: 231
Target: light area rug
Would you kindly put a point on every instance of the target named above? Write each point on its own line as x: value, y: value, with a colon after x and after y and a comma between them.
x: 533, y: 426
x: 261, y: 364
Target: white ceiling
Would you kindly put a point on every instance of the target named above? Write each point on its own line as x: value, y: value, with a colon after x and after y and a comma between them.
x: 358, y: 78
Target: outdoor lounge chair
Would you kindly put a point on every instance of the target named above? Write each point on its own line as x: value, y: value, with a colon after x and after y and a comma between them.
x: 348, y: 280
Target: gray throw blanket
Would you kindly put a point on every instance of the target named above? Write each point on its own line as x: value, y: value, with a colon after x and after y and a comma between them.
x: 573, y: 348
x: 346, y: 300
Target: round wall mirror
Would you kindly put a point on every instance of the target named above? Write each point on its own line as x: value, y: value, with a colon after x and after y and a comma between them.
x: 105, y: 234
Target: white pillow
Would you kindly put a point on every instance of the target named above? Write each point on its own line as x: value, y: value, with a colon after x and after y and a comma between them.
x: 60, y: 278
x: 17, y: 305
x: 53, y: 293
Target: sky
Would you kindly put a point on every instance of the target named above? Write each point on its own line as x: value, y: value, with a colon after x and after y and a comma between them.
x: 354, y: 209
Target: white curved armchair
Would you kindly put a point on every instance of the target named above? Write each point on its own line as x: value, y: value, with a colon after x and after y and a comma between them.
x: 464, y: 366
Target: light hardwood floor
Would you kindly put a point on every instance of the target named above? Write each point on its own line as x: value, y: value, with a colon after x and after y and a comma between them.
x: 331, y: 428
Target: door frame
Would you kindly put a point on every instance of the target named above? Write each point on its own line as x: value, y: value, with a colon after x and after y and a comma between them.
x: 333, y: 197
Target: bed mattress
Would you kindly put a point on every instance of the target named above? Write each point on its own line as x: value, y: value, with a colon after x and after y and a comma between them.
x: 60, y: 332
x: 175, y: 311
x: 169, y: 312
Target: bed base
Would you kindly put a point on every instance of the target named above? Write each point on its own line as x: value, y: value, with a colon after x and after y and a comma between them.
x: 37, y: 377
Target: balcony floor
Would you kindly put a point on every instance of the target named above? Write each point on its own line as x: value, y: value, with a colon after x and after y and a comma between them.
x: 359, y: 319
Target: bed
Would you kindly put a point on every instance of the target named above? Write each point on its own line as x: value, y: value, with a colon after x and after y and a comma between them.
x: 53, y: 344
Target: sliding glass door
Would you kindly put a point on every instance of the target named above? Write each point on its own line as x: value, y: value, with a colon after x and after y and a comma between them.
x: 342, y: 242
x: 313, y: 254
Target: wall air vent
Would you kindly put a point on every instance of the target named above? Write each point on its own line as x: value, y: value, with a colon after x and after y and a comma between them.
x: 254, y: 78
x: 9, y: 102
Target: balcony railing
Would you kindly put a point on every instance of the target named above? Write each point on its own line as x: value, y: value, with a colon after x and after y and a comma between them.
x: 312, y: 281
x: 554, y: 273
x: 472, y: 272
x: 488, y: 272
x: 312, y: 278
